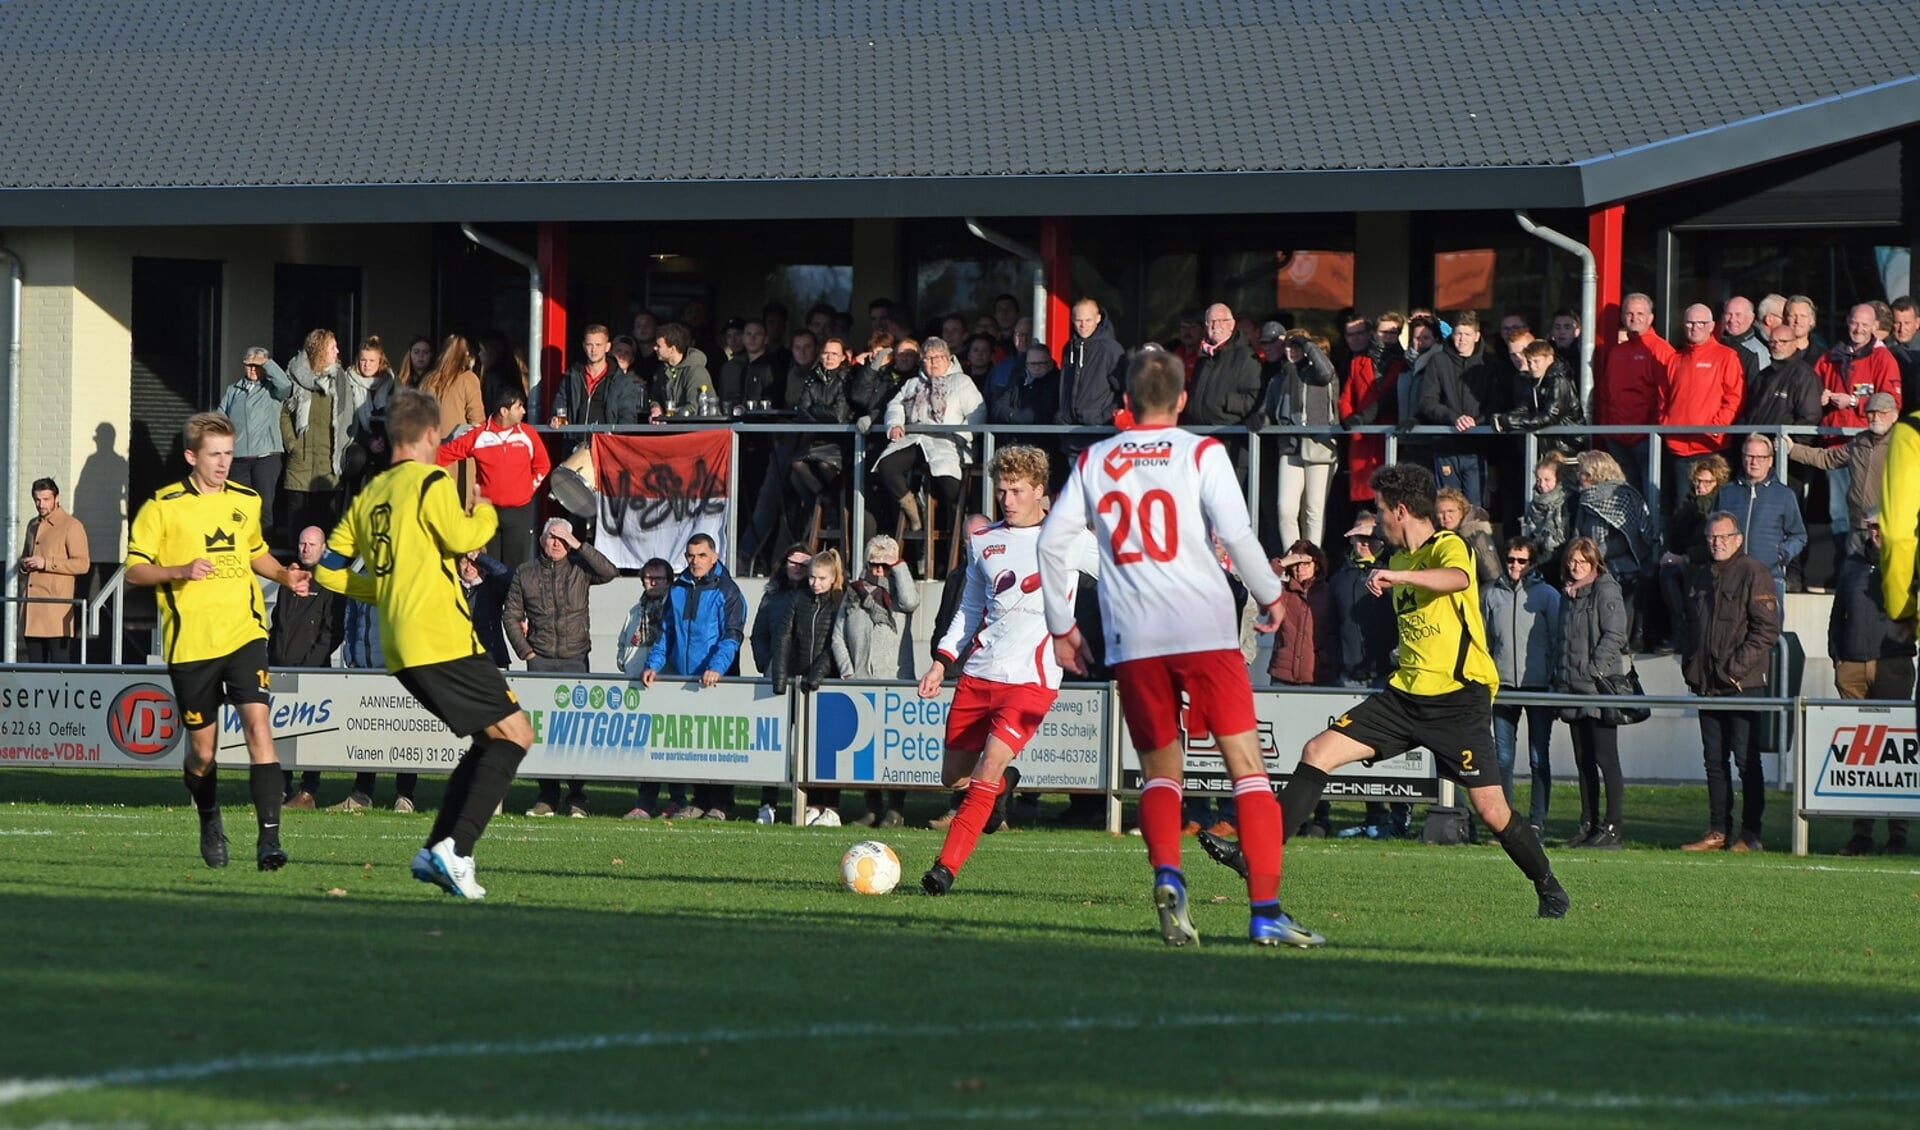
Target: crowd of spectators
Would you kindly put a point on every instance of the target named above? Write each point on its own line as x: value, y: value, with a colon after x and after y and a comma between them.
x: 1582, y: 562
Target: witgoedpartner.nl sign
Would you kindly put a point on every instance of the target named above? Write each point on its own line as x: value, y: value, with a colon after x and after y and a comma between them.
x: 889, y: 735
x: 582, y: 727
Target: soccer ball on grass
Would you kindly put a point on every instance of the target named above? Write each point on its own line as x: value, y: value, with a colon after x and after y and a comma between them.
x: 869, y: 868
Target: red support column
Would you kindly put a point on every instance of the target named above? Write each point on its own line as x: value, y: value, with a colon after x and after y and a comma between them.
x: 551, y: 250
x: 1056, y: 258
x: 1603, y: 236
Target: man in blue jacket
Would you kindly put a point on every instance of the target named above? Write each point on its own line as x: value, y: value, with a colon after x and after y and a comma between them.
x: 705, y: 621
x: 1766, y: 511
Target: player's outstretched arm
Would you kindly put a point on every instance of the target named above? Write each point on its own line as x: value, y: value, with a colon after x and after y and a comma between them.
x: 290, y: 577
x: 148, y: 573
x: 1443, y: 580
x: 334, y: 572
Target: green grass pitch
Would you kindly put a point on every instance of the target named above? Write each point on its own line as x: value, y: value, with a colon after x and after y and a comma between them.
x: 662, y: 974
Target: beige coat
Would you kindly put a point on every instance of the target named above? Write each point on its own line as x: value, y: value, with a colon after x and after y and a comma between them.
x: 62, y: 540
x: 462, y: 404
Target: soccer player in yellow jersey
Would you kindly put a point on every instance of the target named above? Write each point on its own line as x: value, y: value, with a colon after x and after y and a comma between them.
x: 1900, y: 524
x: 1441, y: 693
x: 199, y: 542
x: 410, y: 530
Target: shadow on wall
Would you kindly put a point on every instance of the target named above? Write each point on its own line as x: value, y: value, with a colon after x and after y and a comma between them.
x: 100, y: 503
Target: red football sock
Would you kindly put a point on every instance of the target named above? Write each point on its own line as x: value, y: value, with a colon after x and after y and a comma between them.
x: 1160, y: 821
x: 967, y: 824
x: 1260, y: 836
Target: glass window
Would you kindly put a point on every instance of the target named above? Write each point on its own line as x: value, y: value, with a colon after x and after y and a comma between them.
x: 966, y: 286
x: 1836, y: 267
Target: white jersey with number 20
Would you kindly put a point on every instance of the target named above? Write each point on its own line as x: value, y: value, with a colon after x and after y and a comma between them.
x: 1152, y: 494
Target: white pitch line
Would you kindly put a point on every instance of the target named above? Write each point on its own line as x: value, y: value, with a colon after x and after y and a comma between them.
x: 22, y: 1090
x: 523, y: 830
x: 1363, y: 1106
x: 18, y: 1090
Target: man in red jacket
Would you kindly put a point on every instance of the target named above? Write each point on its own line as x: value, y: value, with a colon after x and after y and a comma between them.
x: 1852, y: 372
x: 510, y: 463
x: 1631, y: 373
x: 1704, y: 383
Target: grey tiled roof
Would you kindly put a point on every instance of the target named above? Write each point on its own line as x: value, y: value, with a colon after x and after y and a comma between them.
x: 141, y: 94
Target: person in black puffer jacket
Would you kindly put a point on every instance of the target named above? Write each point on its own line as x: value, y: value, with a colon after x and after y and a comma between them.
x: 1547, y: 397
x: 803, y: 643
x: 818, y: 459
x: 803, y: 650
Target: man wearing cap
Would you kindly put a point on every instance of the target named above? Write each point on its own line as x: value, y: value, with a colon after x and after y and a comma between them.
x: 548, y: 625
x: 1864, y: 457
x: 1852, y: 372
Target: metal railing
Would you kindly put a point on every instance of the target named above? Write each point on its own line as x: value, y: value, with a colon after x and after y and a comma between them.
x: 989, y: 435
x: 88, y: 609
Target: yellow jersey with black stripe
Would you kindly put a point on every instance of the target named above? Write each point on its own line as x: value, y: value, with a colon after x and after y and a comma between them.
x: 409, y: 529
x: 217, y: 614
x: 1443, y: 641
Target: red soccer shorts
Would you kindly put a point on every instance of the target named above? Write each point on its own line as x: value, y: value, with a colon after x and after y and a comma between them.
x: 1011, y: 712
x: 1219, y: 695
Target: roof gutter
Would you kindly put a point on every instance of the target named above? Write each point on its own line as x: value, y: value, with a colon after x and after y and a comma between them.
x: 16, y: 281
x: 536, y: 301
x: 1015, y: 247
x: 1589, y: 299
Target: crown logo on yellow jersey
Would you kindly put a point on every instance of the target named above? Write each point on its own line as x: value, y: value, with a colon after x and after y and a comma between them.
x: 220, y: 541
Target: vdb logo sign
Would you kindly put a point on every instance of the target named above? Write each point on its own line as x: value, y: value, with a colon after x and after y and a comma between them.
x: 144, y: 721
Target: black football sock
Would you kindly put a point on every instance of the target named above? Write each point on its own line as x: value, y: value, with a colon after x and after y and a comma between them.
x: 1522, y: 845
x: 264, y: 782
x: 363, y: 784
x: 1300, y: 796
x: 492, y: 776
x: 459, y: 783
x: 204, y: 789
x: 403, y: 785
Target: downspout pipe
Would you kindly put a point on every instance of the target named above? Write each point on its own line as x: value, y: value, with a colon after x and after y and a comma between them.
x: 1589, y: 299
x: 1016, y: 248
x: 17, y: 280
x: 536, y: 302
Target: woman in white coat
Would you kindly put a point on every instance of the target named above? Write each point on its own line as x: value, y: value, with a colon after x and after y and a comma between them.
x: 941, y: 393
